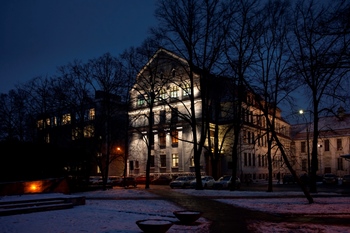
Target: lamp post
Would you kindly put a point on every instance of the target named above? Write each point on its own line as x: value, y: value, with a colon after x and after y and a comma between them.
x: 301, y: 112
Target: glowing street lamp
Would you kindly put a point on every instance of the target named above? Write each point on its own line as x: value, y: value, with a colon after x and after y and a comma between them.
x: 301, y: 112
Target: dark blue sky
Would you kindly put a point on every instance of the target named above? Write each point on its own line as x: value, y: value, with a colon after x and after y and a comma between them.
x: 36, y: 36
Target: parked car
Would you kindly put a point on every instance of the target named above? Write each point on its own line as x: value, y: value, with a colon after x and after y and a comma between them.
x: 162, y: 180
x: 225, y: 182
x: 330, y: 178
x: 114, y: 180
x: 288, y: 178
x: 346, y: 180
x: 207, y: 182
x: 181, y: 182
x: 95, y: 180
x: 128, y: 181
x: 142, y: 179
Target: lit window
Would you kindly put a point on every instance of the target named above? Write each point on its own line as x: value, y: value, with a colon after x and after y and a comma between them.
x: 140, y: 100
x: 48, y: 122
x: 88, y: 131
x: 186, y: 90
x: 174, y: 93
x: 40, y: 124
x: 174, y: 137
x: 66, y: 119
x: 92, y: 114
x: 162, y: 95
x: 175, y: 160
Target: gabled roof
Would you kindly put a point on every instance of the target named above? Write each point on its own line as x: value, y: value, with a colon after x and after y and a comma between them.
x: 327, y: 126
x: 159, y: 51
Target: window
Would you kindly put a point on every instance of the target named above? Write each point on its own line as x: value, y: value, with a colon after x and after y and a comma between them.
x: 152, y: 161
x: 250, y: 159
x: 259, y: 160
x: 76, y: 133
x: 137, y: 164
x: 339, y: 144
x: 186, y: 90
x: 92, y: 114
x: 40, y: 124
x: 340, y: 163
x: 174, y: 138
x: 326, y: 145
x: 163, y: 160
x: 245, y: 159
x: 162, y: 141
x: 140, y: 100
x: 304, y: 165
x: 192, y: 161
x: 175, y: 160
x: 162, y: 117
x: 303, y: 147
x: 88, y: 131
x: 162, y: 95
x: 66, y: 119
x: 174, y: 92
x: 253, y: 159
x: 174, y: 116
x: 48, y: 121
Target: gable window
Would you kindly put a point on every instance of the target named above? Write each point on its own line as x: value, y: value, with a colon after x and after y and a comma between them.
x: 186, y: 90
x: 174, y: 92
x: 162, y: 95
x: 140, y: 100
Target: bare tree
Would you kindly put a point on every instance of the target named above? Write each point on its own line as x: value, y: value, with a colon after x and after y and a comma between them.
x: 195, y: 30
x: 319, y: 50
x: 105, y: 75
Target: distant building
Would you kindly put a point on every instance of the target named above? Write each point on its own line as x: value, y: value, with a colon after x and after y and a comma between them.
x: 87, y: 133
x: 333, y: 142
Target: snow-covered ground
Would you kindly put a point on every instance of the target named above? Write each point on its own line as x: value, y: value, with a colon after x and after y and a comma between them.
x: 115, y: 215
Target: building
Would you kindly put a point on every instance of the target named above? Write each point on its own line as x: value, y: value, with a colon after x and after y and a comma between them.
x: 89, y: 134
x: 165, y: 79
x: 333, y: 142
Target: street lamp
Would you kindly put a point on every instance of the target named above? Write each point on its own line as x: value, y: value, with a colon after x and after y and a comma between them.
x: 301, y: 112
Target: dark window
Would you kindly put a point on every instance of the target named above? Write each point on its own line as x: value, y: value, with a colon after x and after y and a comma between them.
x: 163, y: 160
x: 303, y: 147
x: 326, y: 145
x: 339, y: 144
x: 162, y: 117
x: 162, y: 139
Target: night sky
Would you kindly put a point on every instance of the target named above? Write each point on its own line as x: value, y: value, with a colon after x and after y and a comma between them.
x: 37, y: 36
